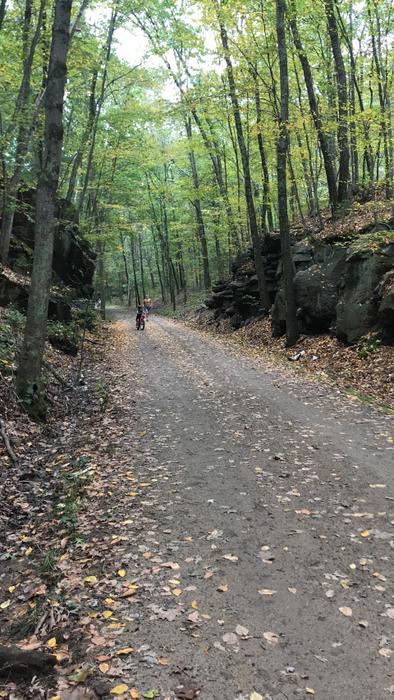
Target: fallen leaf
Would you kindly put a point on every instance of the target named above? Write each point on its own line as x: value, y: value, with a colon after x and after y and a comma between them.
x: 107, y: 614
x: 292, y: 590
x: 119, y: 689
x: 90, y: 579
x: 194, y: 604
x: 309, y: 691
x: 5, y: 605
x: 230, y: 557
x: 346, y: 611
x: 134, y: 694
x: 241, y: 631
x: 171, y: 565
x: 125, y: 651
x: 121, y: 573
x: 230, y: 638
x: 51, y: 643
x: 256, y: 696
x: 223, y: 588
x: 364, y: 533
x: 271, y: 637
x: 104, y: 667
x: 387, y: 653
x: 266, y: 591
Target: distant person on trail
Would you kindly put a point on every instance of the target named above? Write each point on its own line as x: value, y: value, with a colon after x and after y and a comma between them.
x: 140, y: 311
x: 147, y: 305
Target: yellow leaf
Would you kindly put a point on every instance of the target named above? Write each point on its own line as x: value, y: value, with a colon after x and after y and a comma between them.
x: 122, y: 573
x: 51, y: 643
x: 5, y: 605
x: 28, y: 551
x: 109, y: 601
x: 177, y: 592
x: 364, y: 533
x: 90, y: 579
x: 11, y: 589
x: 119, y: 689
x: 107, y: 614
x: 194, y: 604
x: 125, y: 651
x: 310, y: 691
x: 134, y: 694
x: 188, y: 539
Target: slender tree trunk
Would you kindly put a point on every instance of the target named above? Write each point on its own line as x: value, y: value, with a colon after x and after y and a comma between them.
x: 100, y: 102
x: 136, y: 289
x: 84, y: 140
x: 198, y: 208
x: 142, y: 271
x: 126, y: 269
x: 342, y: 92
x: 267, y: 209
x: 282, y: 150
x: 100, y: 247
x: 258, y: 258
x: 3, y: 5
x: 313, y: 106
x: 30, y: 362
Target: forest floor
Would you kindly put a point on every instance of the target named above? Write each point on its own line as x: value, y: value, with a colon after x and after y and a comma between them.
x: 222, y: 528
x: 365, y: 370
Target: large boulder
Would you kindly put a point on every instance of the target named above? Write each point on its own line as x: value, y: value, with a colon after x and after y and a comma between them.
x: 385, y: 294
x: 317, y: 289
x: 14, y: 289
x: 357, y: 308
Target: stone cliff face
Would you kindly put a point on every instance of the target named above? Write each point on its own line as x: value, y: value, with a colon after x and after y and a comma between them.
x: 344, y: 286
x: 73, y: 257
x: 73, y: 261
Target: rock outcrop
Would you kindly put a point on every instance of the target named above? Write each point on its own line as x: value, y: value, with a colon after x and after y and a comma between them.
x: 346, y: 286
x: 73, y: 257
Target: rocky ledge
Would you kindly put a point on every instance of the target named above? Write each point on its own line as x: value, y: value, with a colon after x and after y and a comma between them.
x: 343, y: 285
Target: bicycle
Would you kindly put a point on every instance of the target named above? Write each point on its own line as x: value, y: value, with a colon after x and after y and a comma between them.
x: 140, y: 323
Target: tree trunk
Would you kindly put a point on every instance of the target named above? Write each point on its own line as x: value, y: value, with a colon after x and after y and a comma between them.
x: 142, y: 271
x: 282, y: 150
x: 313, y: 106
x: 343, y: 140
x: 136, y: 289
x: 30, y: 362
x: 267, y: 209
x: 256, y: 241
x: 198, y: 208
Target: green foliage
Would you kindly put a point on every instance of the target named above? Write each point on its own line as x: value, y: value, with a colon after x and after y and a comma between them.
x: 367, y: 345
x: 11, y: 328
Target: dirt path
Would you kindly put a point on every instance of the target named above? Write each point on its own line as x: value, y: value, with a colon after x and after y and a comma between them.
x: 238, y: 536
x: 265, y: 559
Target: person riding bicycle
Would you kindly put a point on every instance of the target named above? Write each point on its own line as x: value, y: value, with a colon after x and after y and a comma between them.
x: 147, y: 305
x: 140, y: 311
